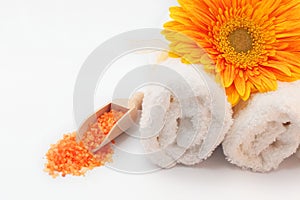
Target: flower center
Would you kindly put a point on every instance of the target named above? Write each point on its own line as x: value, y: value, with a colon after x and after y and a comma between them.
x: 240, y: 40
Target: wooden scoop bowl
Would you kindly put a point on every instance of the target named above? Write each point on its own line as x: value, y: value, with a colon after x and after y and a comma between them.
x: 125, y: 122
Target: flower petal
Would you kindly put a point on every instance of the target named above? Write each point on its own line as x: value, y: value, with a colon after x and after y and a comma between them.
x: 228, y: 75
x: 267, y: 73
x: 269, y: 85
x: 279, y: 66
x: 232, y: 95
x: 239, y: 83
x: 247, y: 91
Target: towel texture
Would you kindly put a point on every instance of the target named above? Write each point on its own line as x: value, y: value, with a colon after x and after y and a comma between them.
x: 184, y: 124
x: 266, y: 129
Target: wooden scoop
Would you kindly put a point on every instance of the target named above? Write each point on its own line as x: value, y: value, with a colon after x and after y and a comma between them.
x: 125, y: 122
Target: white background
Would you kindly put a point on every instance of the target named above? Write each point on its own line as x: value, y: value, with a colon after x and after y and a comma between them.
x: 42, y: 47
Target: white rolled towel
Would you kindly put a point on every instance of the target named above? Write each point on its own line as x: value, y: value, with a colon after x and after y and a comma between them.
x: 180, y: 126
x: 266, y: 129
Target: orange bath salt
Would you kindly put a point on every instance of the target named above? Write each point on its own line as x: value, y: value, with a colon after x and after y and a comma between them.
x: 104, y: 155
x: 98, y: 130
x: 69, y: 157
x: 108, y: 119
x: 93, y: 137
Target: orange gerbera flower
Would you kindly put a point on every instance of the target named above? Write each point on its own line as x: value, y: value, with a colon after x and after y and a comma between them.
x: 252, y: 43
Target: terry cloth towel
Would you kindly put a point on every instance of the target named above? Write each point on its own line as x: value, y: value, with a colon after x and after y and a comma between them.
x: 266, y: 129
x: 180, y: 126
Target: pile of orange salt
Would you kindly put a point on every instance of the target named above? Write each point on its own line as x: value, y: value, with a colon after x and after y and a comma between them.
x: 68, y: 156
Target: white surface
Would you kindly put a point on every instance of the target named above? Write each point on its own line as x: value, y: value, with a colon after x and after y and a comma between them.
x: 42, y: 46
